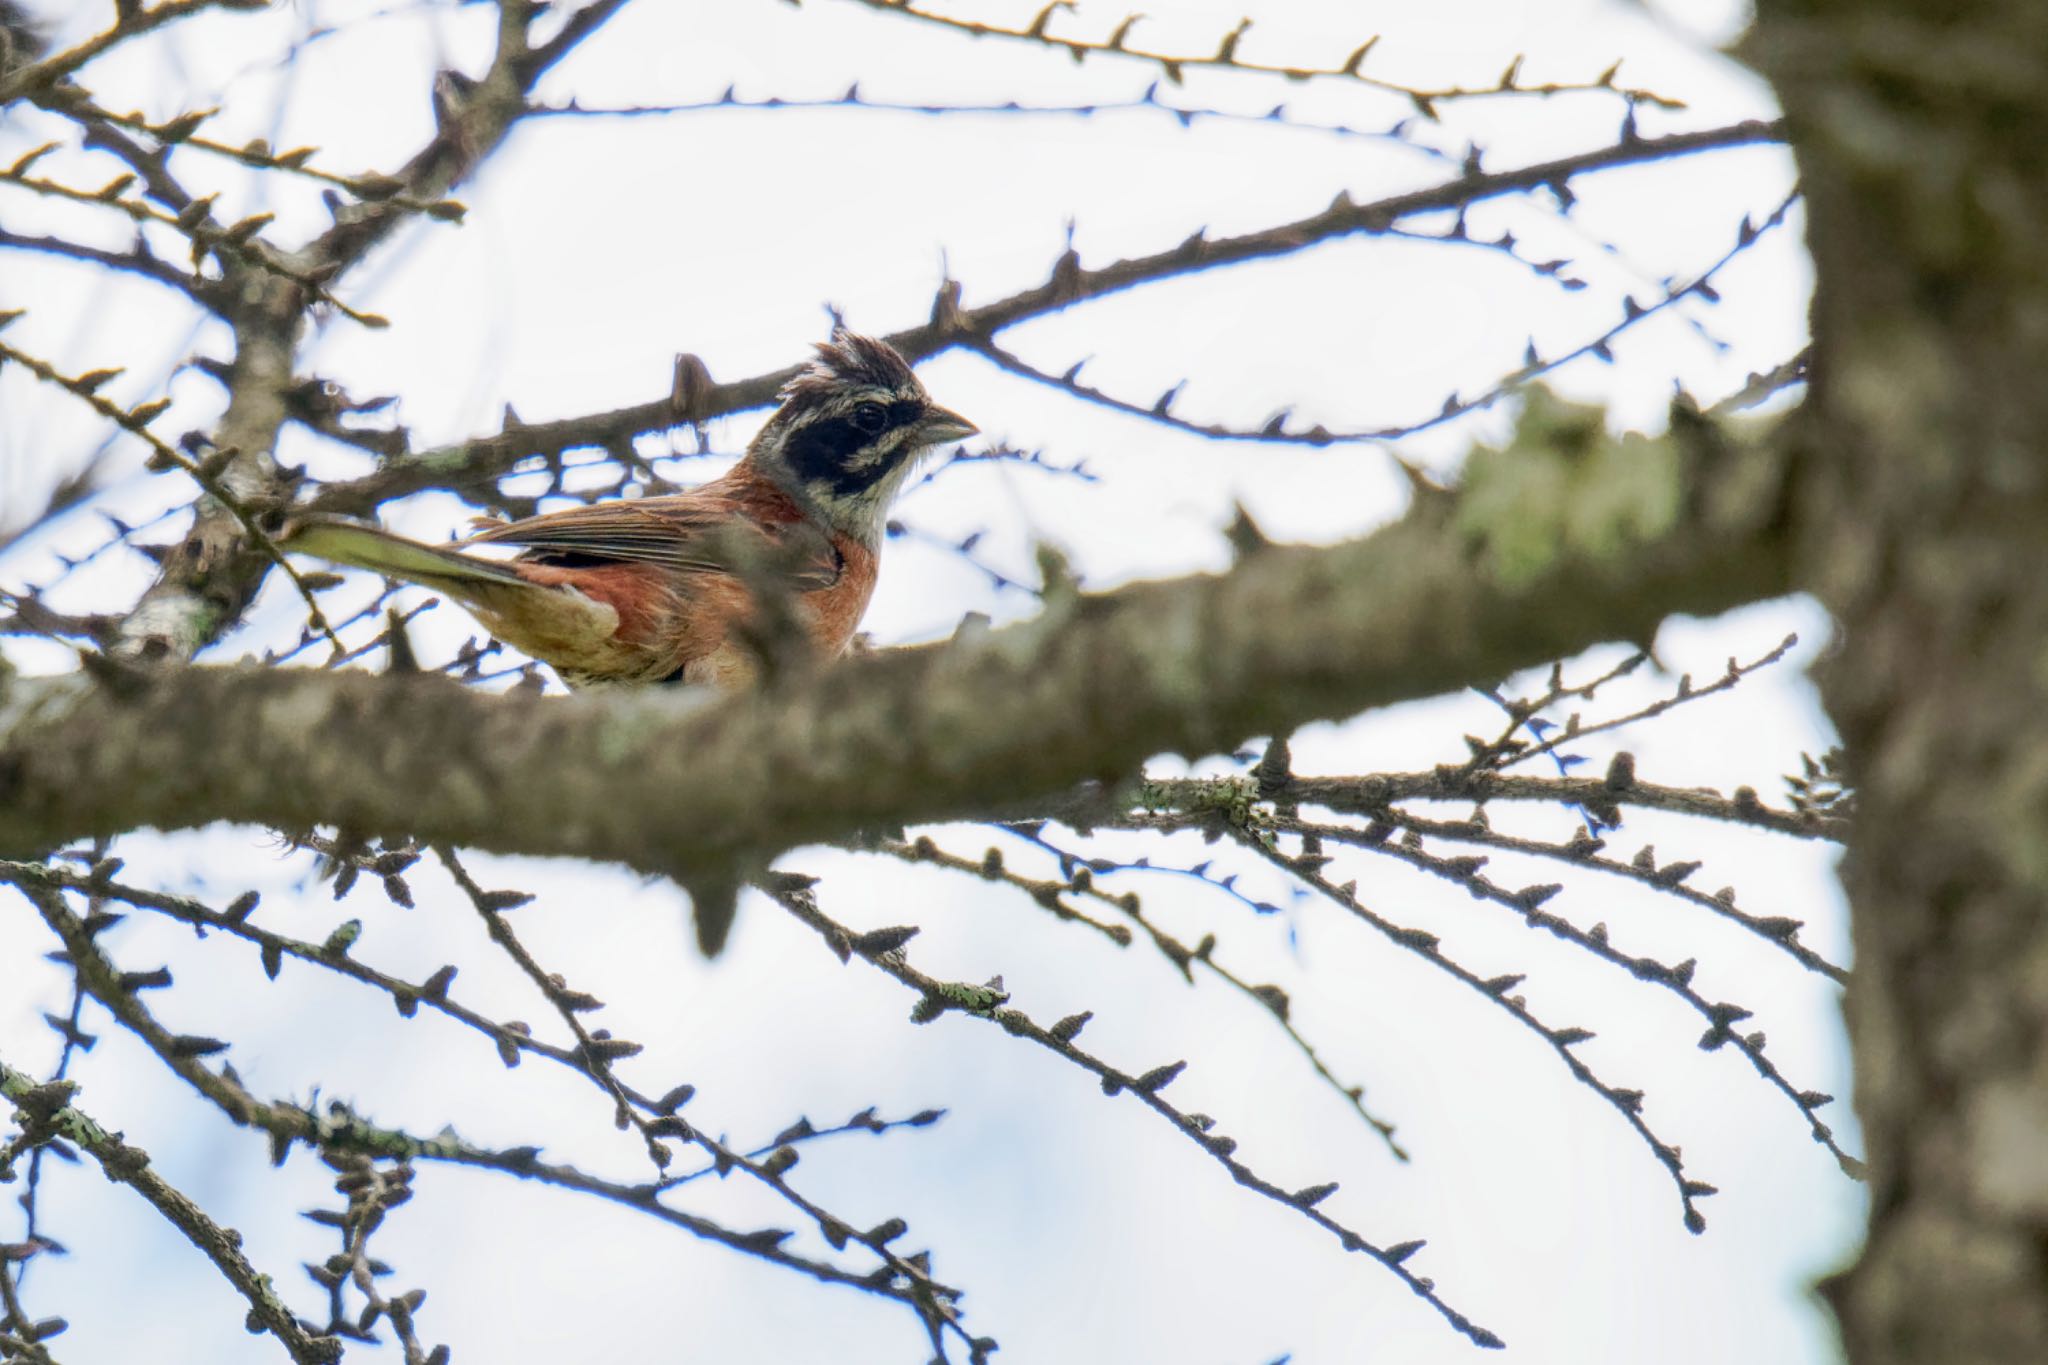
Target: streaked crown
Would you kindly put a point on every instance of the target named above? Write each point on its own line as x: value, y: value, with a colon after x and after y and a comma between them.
x: 850, y: 360
x: 851, y: 425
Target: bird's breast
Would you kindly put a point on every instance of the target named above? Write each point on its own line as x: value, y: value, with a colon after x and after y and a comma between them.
x: 835, y: 610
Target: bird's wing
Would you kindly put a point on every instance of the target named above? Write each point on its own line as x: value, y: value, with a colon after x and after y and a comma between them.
x: 685, y: 533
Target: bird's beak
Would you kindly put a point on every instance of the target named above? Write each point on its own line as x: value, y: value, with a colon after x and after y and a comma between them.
x: 939, y: 425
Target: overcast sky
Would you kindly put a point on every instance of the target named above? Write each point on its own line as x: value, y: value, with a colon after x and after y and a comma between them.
x: 1084, y: 1230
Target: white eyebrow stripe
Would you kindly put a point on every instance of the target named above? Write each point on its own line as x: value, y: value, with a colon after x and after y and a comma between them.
x: 882, y: 450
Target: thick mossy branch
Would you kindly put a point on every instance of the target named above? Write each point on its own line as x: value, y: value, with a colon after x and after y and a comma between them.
x: 1469, y: 586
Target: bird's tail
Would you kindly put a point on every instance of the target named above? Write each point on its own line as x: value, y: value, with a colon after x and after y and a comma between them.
x: 366, y: 547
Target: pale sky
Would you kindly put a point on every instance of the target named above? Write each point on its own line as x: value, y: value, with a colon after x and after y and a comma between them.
x: 1082, y: 1228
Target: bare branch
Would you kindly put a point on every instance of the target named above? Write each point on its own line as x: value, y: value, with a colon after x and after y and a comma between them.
x: 46, y: 1111
x: 135, y: 261
x: 474, y: 117
x: 1184, y: 115
x: 469, y: 463
x: 1225, y: 58
x: 131, y: 21
x: 1276, y: 429
x: 1356, y: 796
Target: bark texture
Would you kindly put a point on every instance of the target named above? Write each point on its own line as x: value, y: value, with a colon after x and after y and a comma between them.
x: 1921, y: 128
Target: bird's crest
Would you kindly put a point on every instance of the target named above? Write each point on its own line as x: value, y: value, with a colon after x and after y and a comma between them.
x: 850, y: 359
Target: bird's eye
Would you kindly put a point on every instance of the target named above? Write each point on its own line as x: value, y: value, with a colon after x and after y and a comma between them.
x: 869, y: 418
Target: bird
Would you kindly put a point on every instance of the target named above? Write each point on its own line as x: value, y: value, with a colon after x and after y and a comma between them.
x: 679, y: 588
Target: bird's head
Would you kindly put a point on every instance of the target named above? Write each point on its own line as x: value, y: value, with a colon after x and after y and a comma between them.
x: 850, y: 429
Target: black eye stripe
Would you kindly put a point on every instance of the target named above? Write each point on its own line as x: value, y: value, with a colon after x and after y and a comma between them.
x: 820, y: 451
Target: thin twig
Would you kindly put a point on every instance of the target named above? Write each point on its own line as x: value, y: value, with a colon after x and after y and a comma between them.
x: 1225, y: 58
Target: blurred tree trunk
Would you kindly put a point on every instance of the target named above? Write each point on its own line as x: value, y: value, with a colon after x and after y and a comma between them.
x: 1921, y: 128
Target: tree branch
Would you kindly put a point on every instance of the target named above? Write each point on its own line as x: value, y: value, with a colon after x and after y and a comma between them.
x: 1565, y: 539
x: 1224, y: 57
x: 46, y: 1112
x: 136, y: 261
x: 131, y: 21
